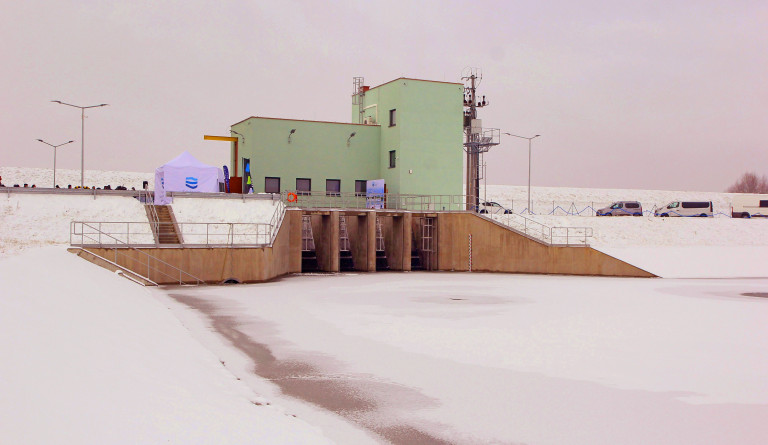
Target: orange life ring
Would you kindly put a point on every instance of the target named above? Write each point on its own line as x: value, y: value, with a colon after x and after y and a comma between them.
x: 292, y: 197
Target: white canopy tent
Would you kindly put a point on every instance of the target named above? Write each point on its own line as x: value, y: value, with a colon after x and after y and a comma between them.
x: 185, y: 173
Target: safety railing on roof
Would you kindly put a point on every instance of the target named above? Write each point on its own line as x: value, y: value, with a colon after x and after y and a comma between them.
x: 91, y: 236
x: 565, y: 236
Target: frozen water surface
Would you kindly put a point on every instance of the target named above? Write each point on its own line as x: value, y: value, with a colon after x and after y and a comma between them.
x: 495, y: 358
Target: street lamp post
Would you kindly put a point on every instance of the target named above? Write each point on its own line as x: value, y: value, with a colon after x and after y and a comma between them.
x: 529, y: 165
x: 82, y: 136
x: 54, y: 157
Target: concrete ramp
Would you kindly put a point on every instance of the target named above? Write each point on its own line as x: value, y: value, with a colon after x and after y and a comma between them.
x: 111, y: 266
x: 696, y: 261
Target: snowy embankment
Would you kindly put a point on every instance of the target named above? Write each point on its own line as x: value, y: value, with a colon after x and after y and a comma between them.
x: 719, y: 247
x: 223, y: 210
x: 582, y: 201
x: 92, y: 358
x: 38, y: 219
x: 43, y: 177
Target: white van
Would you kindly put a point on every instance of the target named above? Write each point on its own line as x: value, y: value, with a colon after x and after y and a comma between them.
x: 748, y: 205
x: 686, y: 208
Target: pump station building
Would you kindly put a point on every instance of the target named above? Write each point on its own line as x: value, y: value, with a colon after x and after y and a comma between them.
x: 407, y: 131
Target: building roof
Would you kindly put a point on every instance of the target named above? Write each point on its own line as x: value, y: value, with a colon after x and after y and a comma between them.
x: 348, y: 123
x: 417, y: 80
x: 302, y: 120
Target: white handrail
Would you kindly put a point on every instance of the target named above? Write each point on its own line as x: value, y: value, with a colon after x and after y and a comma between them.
x: 119, y: 242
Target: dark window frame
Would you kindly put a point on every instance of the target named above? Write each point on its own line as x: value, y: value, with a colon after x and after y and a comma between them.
x: 364, y: 190
x: 393, y: 117
x: 304, y: 192
x: 266, y: 180
x: 392, y: 158
x: 333, y: 192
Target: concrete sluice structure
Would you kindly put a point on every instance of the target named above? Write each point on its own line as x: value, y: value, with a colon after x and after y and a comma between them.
x: 336, y: 240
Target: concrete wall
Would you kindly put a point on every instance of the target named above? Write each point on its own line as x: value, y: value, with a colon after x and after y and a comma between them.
x: 496, y: 248
x: 215, y: 265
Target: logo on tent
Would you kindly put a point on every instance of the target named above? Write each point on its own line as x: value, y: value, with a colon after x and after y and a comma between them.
x: 191, y: 182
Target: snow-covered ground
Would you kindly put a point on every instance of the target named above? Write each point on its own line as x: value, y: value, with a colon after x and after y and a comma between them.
x: 583, y: 201
x: 460, y: 358
x: 43, y: 177
x: 497, y: 358
x: 92, y: 358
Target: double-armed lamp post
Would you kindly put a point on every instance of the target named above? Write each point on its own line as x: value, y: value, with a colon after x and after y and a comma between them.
x: 82, y: 136
x: 54, y: 157
x: 529, y: 164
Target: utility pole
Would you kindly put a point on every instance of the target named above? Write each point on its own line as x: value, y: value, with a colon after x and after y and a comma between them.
x: 477, y: 139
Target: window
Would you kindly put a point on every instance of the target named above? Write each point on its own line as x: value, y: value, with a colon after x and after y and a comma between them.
x: 333, y: 187
x: 392, y: 159
x: 271, y: 185
x: 695, y: 205
x: 303, y: 186
x: 633, y: 205
x: 361, y: 186
x: 763, y: 203
x: 392, y: 115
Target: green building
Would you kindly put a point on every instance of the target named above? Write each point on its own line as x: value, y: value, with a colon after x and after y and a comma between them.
x: 408, y: 132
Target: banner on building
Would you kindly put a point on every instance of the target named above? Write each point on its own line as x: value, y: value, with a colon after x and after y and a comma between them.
x: 374, y: 194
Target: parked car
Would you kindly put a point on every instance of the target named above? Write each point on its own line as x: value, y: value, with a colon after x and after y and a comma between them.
x: 749, y: 205
x: 493, y: 208
x: 622, y: 208
x: 686, y: 208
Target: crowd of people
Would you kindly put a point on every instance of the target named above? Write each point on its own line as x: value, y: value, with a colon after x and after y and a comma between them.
x: 69, y: 187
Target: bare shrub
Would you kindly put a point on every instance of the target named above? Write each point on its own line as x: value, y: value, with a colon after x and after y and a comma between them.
x: 750, y: 183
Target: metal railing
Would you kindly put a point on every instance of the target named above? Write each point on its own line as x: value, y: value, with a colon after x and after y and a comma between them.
x: 556, y: 236
x: 389, y: 201
x: 140, y: 234
x: 560, y: 236
x: 149, y: 200
x: 97, y: 238
x: 277, y: 221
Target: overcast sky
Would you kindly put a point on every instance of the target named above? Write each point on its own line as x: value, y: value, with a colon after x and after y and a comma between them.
x: 626, y: 94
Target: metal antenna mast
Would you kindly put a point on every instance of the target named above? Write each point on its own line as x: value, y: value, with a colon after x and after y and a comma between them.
x: 477, y: 139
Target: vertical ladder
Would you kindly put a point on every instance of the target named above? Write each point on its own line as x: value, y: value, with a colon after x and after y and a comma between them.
x: 381, y: 254
x: 345, y: 253
x: 308, y: 252
x: 427, y: 241
x: 357, y: 97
